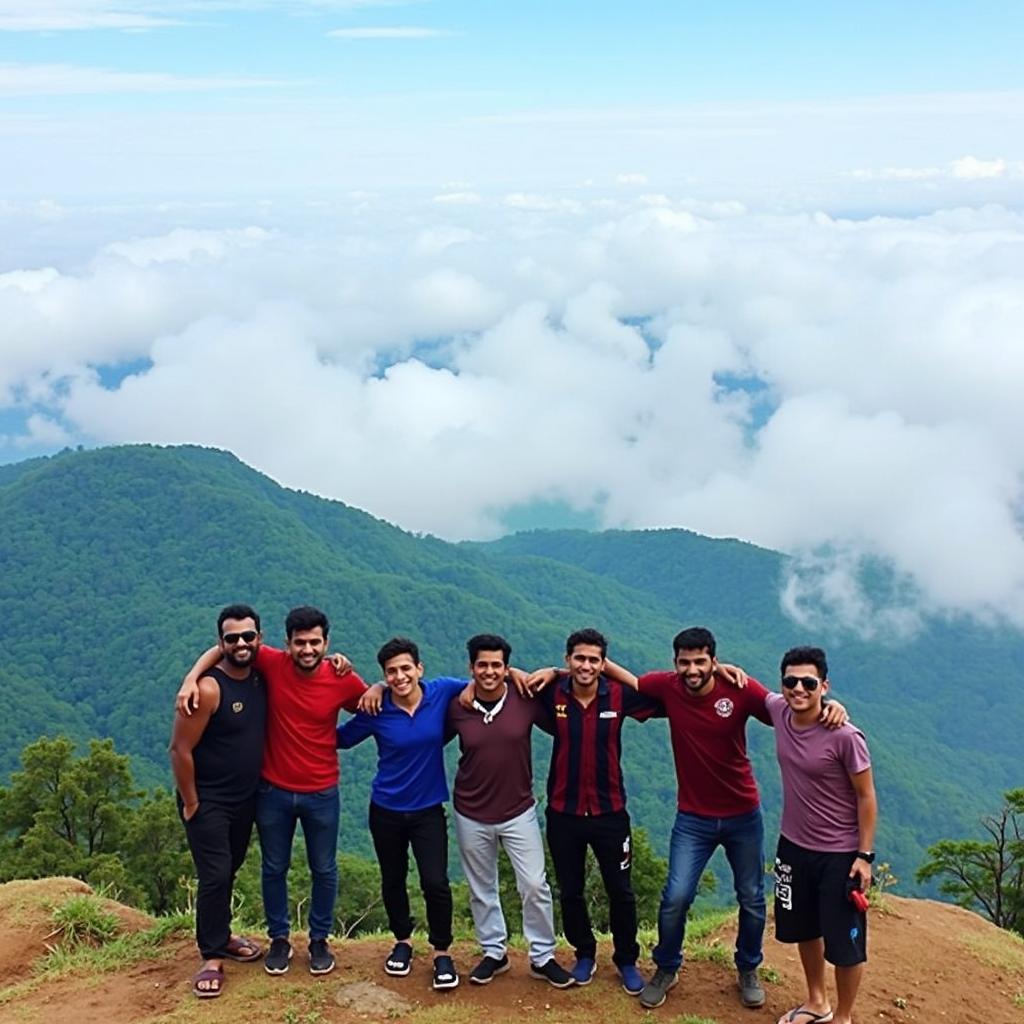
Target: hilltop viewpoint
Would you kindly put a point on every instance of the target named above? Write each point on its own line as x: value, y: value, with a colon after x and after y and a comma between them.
x: 68, y: 955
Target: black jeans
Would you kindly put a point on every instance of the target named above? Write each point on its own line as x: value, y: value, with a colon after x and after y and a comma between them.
x: 427, y: 833
x: 608, y: 835
x: 218, y: 836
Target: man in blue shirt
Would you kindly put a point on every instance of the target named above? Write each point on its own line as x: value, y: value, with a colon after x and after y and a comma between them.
x: 406, y: 801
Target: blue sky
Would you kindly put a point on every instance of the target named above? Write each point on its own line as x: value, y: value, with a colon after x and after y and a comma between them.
x: 411, y: 93
x: 751, y: 269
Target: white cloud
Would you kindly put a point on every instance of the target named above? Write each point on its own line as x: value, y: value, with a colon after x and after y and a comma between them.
x: 69, y: 79
x: 971, y: 167
x: 848, y: 391
x: 631, y: 179
x: 136, y: 15
x: 459, y: 198
x: 389, y: 32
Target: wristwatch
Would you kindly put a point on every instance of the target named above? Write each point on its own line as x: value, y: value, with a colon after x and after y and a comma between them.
x: 869, y: 857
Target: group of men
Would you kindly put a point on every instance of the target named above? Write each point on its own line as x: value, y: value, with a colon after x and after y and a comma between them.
x: 255, y: 739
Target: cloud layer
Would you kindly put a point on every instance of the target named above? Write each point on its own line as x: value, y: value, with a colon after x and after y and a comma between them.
x: 848, y: 391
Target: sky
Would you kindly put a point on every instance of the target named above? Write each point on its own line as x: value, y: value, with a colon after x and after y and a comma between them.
x: 753, y: 270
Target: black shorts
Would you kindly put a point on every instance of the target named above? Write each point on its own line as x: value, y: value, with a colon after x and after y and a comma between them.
x: 811, y: 902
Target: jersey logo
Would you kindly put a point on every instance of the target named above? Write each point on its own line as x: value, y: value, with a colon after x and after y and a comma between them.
x: 724, y: 707
x: 237, y: 706
x: 561, y: 711
x: 608, y: 714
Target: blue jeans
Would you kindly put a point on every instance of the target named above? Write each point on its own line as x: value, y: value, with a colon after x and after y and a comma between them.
x: 694, y: 840
x: 277, y: 811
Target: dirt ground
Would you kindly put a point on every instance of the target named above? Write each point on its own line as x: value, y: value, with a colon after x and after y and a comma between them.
x: 928, y: 962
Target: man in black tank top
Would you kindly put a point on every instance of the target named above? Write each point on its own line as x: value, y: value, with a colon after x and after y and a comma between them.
x: 216, y: 755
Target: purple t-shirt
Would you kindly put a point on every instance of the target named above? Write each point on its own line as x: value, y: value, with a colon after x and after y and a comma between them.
x: 494, y: 780
x: 819, y: 805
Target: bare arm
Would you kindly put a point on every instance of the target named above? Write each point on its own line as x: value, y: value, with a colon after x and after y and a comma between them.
x: 188, y: 694
x: 731, y: 674
x: 186, y: 733
x: 867, y: 819
x: 620, y: 674
x: 833, y: 715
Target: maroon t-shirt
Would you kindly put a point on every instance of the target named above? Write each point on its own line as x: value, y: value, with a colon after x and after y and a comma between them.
x: 494, y: 781
x: 709, y: 742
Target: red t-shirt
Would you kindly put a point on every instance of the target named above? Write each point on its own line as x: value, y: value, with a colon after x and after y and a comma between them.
x: 709, y: 743
x: 302, y: 714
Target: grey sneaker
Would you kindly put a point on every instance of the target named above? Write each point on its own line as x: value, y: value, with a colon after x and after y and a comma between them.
x: 751, y: 992
x: 655, y: 992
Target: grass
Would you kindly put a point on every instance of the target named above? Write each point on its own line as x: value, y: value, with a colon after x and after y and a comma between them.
x: 691, y: 1019
x: 82, y: 921
x: 1004, y: 951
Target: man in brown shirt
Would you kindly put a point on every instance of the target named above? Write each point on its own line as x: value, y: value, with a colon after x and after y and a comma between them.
x: 494, y: 805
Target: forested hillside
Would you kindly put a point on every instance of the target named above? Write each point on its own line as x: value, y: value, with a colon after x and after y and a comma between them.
x: 114, y: 563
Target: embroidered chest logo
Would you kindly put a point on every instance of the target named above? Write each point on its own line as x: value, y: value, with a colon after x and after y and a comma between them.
x: 237, y: 706
x: 724, y: 707
x: 561, y: 711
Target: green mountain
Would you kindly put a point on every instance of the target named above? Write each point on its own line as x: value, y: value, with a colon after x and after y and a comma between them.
x: 114, y: 564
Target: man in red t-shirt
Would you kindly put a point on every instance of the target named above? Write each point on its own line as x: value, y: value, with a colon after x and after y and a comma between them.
x: 718, y: 803
x: 299, y: 779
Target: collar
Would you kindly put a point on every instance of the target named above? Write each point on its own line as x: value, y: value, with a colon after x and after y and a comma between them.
x: 490, y: 714
x: 565, y: 684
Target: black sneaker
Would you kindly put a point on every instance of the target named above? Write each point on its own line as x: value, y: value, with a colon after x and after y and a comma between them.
x: 321, y: 959
x: 399, y: 961
x: 445, y: 975
x: 277, y: 958
x: 484, y: 972
x: 553, y: 973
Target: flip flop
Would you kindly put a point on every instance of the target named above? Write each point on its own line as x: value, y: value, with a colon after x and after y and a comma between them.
x: 208, y: 983
x: 799, y: 1015
x: 242, y: 949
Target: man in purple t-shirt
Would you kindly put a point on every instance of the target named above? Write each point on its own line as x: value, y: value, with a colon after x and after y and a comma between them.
x: 826, y: 846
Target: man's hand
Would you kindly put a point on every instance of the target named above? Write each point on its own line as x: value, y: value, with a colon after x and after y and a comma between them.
x: 373, y: 697
x: 732, y: 674
x: 187, y: 699
x: 468, y: 695
x: 341, y: 665
x: 833, y: 715
x: 536, y: 681
x: 188, y: 811
x: 521, y: 681
x: 861, y: 870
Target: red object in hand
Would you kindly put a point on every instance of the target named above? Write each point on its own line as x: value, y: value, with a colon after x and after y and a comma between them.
x: 859, y: 900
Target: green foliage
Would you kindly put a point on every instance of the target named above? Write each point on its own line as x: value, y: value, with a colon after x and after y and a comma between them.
x: 83, y: 920
x: 62, y: 815
x: 113, y: 568
x: 986, y: 874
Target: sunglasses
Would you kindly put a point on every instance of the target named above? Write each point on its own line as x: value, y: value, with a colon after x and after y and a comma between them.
x: 809, y: 682
x: 247, y: 635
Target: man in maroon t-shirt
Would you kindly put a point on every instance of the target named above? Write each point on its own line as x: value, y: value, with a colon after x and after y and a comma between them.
x: 718, y: 803
x: 299, y: 779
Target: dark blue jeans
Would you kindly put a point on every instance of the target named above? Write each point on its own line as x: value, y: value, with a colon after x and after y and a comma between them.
x: 694, y: 839
x: 277, y: 811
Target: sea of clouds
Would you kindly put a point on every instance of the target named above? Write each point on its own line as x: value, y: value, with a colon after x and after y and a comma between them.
x: 845, y: 390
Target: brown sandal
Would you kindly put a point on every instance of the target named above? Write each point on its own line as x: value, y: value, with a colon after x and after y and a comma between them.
x: 242, y: 949
x: 208, y: 983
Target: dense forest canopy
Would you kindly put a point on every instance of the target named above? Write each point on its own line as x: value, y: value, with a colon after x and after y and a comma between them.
x: 115, y: 562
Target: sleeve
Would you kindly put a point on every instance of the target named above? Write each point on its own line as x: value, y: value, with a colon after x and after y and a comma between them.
x: 544, y: 709
x: 757, y: 695
x: 355, y: 688
x: 448, y: 687
x: 853, y: 750
x: 266, y: 656
x: 354, y: 731
x: 639, y: 706
x: 774, y: 704
x: 651, y: 684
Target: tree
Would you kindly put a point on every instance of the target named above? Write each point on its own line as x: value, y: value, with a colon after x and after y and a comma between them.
x: 64, y: 815
x: 986, y: 873
x: 156, y: 854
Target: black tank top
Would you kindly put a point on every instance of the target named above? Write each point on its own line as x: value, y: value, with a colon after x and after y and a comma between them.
x: 229, y: 755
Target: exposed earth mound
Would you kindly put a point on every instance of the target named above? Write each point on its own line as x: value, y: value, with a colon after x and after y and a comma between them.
x: 929, y: 962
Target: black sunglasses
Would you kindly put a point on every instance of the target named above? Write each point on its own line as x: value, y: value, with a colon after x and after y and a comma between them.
x: 810, y: 683
x: 248, y: 635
